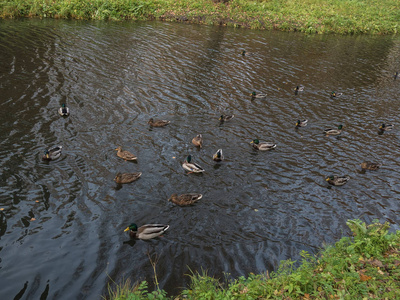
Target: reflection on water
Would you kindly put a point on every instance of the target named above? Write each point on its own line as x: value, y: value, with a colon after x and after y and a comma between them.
x: 62, y: 225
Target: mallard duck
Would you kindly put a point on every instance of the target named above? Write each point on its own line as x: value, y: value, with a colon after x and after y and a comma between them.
x: 158, y: 123
x: 367, y: 165
x: 336, y: 95
x: 301, y: 123
x: 298, y: 89
x: 63, y: 110
x: 218, y: 156
x: 146, y: 232
x: 395, y: 75
x: 255, y: 95
x: 185, y: 199
x: 125, y: 154
x: 262, y: 146
x: 224, y: 118
x: 127, y: 177
x: 198, y: 140
x: 191, y: 167
x: 386, y: 127
x: 337, y: 180
x: 246, y: 53
x: 331, y: 131
x: 52, y: 153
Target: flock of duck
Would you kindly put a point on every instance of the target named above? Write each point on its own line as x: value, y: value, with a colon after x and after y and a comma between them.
x: 150, y: 231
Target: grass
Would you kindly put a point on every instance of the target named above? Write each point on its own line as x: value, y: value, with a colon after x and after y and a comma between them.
x: 365, y: 266
x: 310, y: 16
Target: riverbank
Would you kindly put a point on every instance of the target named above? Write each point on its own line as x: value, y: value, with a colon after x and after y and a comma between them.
x: 365, y: 266
x: 310, y: 16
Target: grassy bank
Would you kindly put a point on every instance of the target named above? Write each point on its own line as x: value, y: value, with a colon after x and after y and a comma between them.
x: 311, y: 16
x: 365, y: 266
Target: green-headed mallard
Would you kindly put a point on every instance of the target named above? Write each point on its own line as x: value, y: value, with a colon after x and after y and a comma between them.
x: 185, y: 199
x: 367, y: 165
x: 218, y: 156
x: 127, y: 177
x: 337, y: 180
x: 336, y: 95
x: 331, y: 131
x: 146, y: 232
x: 301, y: 123
x: 198, y: 140
x: 298, y: 89
x: 262, y: 146
x: 191, y: 167
x: 52, y: 153
x: 158, y: 123
x: 395, y: 75
x: 63, y: 110
x: 125, y: 154
x: 246, y: 53
x: 224, y: 118
x: 386, y: 127
x: 255, y: 95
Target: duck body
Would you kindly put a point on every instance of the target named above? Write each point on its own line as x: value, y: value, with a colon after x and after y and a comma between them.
x: 198, y: 140
x: 335, y: 95
x: 386, y: 127
x: 63, y: 110
x: 331, y: 131
x: 255, y: 95
x: 158, y: 123
x: 185, y: 199
x: 367, y: 165
x: 395, y: 75
x: 262, y: 146
x: 52, y: 153
x: 301, y: 123
x: 218, y: 156
x: 298, y: 89
x: 337, y: 180
x: 146, y: 232
x: 126, y: 155
x: 192, y: 167
x: 224, y: 118
x: 127, y: 177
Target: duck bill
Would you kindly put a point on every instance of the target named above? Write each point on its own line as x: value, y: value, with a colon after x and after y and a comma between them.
x: 47, y: 156
x: 327, y: 179
x: 252, y: 142
x: 126, y: 229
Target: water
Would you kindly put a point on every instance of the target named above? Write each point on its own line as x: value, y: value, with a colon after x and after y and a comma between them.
x: 62, y: 225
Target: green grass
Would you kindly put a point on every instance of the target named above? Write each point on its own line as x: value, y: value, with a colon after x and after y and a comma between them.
x: 310, y: 16
x: 365, y: 266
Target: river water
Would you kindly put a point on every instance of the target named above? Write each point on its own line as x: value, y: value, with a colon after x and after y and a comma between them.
x: 62, y: 222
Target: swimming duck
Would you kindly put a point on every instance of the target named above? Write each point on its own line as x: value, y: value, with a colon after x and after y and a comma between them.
x: 337, y: 180
x: 336, y: 95
x: 245, y: 53
x: 185, y: 199
x: 334, y: 131
x: 127, y: 177
x: 263, y: 146
x: 125, y: 154
x: 255, y: 95
x: 386, y: 127
x: 395, y: 75
x: 158, y: 123
x: 191, y: 167
x: 301, y: 123
x: 224, y: 118
x: 63, y: 110
x: 52, y: 153
x: 367, y: 165
x: 218, y: 156
x: 298, y: 89
x: 146, y: 232
x: 198, y: 140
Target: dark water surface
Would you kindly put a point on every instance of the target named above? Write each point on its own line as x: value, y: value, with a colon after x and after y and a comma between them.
x: 258, y: 207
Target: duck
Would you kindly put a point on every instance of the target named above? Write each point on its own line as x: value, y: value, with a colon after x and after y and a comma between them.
x: 224, y: 118
x: 298, y: 89
x: 262, y: 146
x: 334, y: 131
x: 191, y: 167
x: 395, y: 75
x: 367, y: 165
x: 337, y: 180
x: 335, y: 95
x: 245, y: 53
x: 255, y: 95
x: 198, y: 140
x: 146, y: 232
x: 301, y: 123
x: 126, y: 155
x: 63, y: 110
x: 158, y: 123
x: 185, y: 199
x: 127, y: 177
x: 52, y: 153
x: 218, y: 156
x: 386, y: 127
